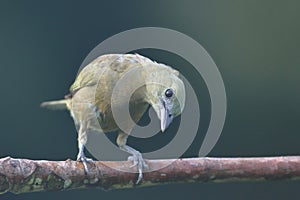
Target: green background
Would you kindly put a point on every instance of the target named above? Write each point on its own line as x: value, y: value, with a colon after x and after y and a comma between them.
x: 255, y: 44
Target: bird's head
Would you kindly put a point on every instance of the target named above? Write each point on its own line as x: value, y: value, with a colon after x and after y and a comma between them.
x: 166, y: 94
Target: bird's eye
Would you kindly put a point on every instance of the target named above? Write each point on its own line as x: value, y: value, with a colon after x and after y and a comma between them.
x: 169, y: 93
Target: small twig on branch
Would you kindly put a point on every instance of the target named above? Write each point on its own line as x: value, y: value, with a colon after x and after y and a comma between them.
x: 23, y: 175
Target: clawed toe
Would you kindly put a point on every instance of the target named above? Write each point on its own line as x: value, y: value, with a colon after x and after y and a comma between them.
x: 140, y: 163
x: 136, y: 157
x: 134, y: 160
x: 84, y: 161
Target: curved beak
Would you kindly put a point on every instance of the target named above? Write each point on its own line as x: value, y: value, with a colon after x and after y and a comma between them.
x: 165, y: 117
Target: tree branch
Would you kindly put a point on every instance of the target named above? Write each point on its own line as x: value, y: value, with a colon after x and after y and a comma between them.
x: 23, y: 175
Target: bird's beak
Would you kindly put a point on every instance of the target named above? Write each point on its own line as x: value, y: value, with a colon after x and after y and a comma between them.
x: 165, y: 118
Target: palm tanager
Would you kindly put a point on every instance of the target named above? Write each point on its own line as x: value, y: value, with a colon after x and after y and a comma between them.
x: 91, y: 95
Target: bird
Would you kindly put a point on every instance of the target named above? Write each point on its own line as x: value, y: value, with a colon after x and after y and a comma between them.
x: 90, y: 99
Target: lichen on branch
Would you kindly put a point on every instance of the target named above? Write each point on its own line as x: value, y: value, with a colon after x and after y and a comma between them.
x: 24, y: 175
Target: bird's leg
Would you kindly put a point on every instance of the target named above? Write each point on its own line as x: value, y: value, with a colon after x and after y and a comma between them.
x: 82, y: 140
x: 136, y: 157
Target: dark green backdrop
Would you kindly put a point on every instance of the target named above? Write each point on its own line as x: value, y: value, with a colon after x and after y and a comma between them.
x: 254, y: 43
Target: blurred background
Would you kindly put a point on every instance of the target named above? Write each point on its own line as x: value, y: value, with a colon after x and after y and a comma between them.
x: 255, y: 45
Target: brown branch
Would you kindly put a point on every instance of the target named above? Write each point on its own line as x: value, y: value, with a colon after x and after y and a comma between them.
x: 22, y: 175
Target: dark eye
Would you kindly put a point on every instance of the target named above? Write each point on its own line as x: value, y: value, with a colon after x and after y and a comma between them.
x: 169, y: 93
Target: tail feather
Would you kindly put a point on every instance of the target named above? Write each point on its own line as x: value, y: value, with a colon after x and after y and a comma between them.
x: 55, y: 105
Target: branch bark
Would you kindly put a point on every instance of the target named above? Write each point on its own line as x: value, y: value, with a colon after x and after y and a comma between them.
x: 23, y: 175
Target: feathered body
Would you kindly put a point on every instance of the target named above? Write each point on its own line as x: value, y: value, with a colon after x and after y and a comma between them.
x: 90, y: 95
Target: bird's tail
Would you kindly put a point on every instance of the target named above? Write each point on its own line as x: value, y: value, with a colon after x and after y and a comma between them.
x: 56, y: 105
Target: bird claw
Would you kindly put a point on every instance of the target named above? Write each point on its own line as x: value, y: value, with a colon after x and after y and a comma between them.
x: 140, y: 163
x: 84, y: 161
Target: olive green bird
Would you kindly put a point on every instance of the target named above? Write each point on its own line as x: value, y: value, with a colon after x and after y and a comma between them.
x: 90, y: 99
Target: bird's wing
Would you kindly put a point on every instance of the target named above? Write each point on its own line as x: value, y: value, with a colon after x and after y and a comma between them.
x: 91, y: 73
x: 110, y: 64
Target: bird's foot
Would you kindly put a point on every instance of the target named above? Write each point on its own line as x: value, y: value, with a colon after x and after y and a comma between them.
x: 85, y: 160
x: 138, y: 161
